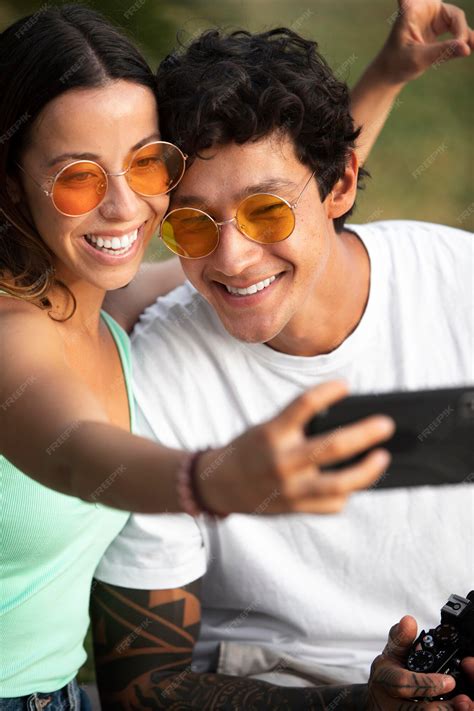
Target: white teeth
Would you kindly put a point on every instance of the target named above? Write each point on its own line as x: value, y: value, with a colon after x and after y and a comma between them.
x: 251, y: 289
x: 113, y: 245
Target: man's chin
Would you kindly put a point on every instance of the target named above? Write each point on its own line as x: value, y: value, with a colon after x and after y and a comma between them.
x: 248, y: 332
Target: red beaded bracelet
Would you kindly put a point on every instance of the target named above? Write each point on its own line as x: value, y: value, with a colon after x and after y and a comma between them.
x: 189, y: 496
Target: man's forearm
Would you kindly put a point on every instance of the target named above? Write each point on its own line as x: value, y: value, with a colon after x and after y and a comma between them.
x: 143, y: 647
x: 215, y: 691
x: 372, y: 100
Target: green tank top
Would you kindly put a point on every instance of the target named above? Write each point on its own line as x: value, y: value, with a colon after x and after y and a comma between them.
x: 50, y: 546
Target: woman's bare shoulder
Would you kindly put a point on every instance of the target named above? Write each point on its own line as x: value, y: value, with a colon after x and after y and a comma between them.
x: 11, y: 307
x: 40, y: 393
x: 25, y: 323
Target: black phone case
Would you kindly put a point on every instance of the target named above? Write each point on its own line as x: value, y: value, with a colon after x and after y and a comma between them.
x: 434, y: 441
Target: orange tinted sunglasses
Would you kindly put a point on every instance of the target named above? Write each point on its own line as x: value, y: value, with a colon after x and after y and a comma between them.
x: 265, y: 218
x: 80, y: 186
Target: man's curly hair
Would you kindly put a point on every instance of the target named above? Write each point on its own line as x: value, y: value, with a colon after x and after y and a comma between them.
x: 241, y: 87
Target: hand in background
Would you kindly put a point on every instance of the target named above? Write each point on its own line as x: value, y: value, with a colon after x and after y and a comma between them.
x: 413, y: 46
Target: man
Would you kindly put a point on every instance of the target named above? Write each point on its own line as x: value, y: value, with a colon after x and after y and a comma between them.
x: 294, y: 608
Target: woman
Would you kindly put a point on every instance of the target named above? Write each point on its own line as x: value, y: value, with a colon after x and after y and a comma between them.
x: 85, y: 179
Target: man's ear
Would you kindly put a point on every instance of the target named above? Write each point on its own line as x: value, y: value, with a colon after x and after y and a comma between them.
x: 343, y: 195
x: 14, y: 190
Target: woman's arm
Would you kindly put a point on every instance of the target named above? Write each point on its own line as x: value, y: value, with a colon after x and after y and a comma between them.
x: 53, y: 428
x: 411, y: 49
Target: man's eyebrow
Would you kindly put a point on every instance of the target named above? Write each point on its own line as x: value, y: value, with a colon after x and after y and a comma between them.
x: 94, y: 156
x: 267, y: 186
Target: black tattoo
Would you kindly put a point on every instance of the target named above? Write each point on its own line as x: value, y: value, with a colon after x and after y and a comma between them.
x: 143, y: 643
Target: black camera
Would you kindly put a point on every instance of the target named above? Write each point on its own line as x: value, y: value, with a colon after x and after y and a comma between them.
x: 442, y: 649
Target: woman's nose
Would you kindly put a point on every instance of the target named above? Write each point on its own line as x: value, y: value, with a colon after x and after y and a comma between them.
x: 120, y: 202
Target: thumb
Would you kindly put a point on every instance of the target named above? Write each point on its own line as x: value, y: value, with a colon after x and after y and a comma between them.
x: 298, y: 412
x: 440, y: 52
x: 400, y: 638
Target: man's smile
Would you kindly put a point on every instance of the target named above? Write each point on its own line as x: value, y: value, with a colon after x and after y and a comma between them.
x: 249, y: 293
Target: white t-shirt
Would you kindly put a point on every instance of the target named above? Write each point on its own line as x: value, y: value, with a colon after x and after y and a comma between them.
x: 323, y: 589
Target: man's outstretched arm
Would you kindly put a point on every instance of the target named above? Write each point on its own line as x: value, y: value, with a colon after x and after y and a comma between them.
x: 143, y: 643
x: 411, y: 48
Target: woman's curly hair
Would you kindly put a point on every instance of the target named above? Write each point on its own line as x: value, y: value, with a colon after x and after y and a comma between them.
x: 240, y: 87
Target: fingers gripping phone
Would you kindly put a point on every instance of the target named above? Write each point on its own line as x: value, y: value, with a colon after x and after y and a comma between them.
x: 434, y: 440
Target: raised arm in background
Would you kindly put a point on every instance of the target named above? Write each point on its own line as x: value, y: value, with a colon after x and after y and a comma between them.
x: 411, y: 48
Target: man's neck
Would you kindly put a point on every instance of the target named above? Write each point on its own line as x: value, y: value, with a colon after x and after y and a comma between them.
x: 333, y: 312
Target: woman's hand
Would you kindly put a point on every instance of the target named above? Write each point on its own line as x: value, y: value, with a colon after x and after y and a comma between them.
x: 413, y: 47
x: 275, y: 468
x: 392, y: 686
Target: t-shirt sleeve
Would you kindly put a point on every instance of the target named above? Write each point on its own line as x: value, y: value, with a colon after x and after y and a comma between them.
x: 154, y: 552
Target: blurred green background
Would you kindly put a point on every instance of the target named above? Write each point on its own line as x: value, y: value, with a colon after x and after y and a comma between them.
x: 434, y: 111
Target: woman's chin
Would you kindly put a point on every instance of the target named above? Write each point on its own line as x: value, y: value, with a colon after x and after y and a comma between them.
x: 99, y: 279
x: 115, y: 281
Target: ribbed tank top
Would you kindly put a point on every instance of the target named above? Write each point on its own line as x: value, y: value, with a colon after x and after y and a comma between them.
x: 50, y: 545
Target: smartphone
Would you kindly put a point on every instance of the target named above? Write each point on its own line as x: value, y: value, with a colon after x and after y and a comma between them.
x: 434, y: 440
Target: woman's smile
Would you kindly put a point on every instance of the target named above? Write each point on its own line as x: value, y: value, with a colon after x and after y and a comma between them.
x: 114, y: 246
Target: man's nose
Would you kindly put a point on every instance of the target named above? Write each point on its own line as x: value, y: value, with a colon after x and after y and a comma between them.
x: 235, y: 251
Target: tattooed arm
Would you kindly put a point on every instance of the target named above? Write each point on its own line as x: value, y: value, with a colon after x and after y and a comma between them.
x: 143, y: 643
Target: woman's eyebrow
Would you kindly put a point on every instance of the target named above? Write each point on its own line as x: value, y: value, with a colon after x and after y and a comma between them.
x: 94, y: 156
x: 72, y: 156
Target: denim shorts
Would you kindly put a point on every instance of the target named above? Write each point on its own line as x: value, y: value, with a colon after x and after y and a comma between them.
x: 69, y: 698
